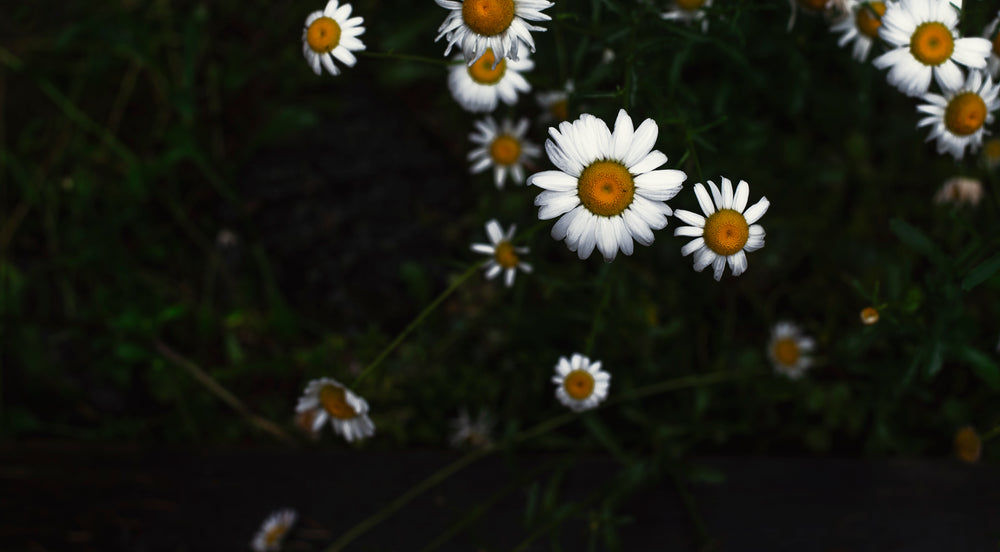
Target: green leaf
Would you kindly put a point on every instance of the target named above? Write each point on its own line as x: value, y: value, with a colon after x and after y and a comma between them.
x: 982, y: 365
x: 981, y: 273
x: 916, y: 240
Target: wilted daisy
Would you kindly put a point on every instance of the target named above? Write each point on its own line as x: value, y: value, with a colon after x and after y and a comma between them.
x: 960, y: 190
x: 580, y: 384
x: 467, y: 432
x: 726, y: 231
x: 500, y: 25
x: 926, y: 42
x: 347, y: 412
x: 479, y: 86
x: 957, y: 118
x: 330, y: 34
x: 505, y: 256
x: 502, y: 147
x: 789, y: 350
x: 968, y: 445
x: 606, y: 190
x: 860, y: 24
x: 555, y: 103
x: 273, y: 531
x: 991, y: 34
x: 688, y: 11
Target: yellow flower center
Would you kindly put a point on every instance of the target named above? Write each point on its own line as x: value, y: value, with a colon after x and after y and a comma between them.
x: 869, y: 18
x: 505, y: 255
x: 559, y: 110
x: 483, y: 71
x: 932, y: 43
x: 274, y: 534
x: 605, y: 188
x: 965, y: 114
x: 968, y: 445
x: 323, y: 35
x: 689, y: 5
x: 579, y: 384
x: 726, y: 232
x: 505, y: 150
x: 488, y: 17
x: 869, y: 315
x: 786, y: 351
x: 334, y: 401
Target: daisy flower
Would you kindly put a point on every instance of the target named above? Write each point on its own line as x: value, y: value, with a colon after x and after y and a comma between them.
x: 347, y: 412
x: 960, y: 190
x: 477, y: 87
x: 869, y: 316
x: 469, y: 433
x: 968, y: 445
x: 926, y: 42
x: 580, y: 384
x: 502, y: 147
x: 860, y: 25
x: 991, y: 153
x: 330, y: 34
x: 606, y: 191
x: 991, y: 34
x: 789, y: 350
x: 273, y: 531
x: 688, y: 11
x: 505, y: 255
x: 957, y: 118
x: 500, y: 25
x: 555, y: 103
x: 726, y: 231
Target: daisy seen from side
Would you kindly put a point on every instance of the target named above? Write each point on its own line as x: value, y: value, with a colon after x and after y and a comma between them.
x: 333, y: 402
x: 991, y: 34
x: 860, y: 25
x: 957, y: 119
x: 960, y: 190
x: 331, y: 33
x: 467, y: 432
x: 480, y: 86
x: 688, y: 11
x: 926, y: 43
x: 728, y: 229
x: 790, y: 350
x: 555, y: 103
x: 272, y: 532
x: 606, y: 190
x: 505, y: 256
x: 502, y: 147
x: 580, y: 384
x: 500, y: 25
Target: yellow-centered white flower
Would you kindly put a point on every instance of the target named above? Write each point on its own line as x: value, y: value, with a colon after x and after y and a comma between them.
x: 504, y: 256
x: 688, y: 11
x: 480, y: 86
x: 502, y: 147
x: 790, y: 350
x: 726, y: 231
x: 500, y: 25
x: 957, y: 119
x: 580, y: 384
x: 860, y: 25
x: 330, y: 400
x: 991, y: 34
x: 926, y: 43
x: 606, y: 191
x: 331, y: 33
x: 272, y: 532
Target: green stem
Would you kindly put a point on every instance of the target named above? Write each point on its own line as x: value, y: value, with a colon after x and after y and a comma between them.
x: 990, y: 434
x: 596, y: 320
x: 416, y: 322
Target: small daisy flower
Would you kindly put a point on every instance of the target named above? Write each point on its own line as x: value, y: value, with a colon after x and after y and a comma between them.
x: 860, y: 25
x: 957, y: 118
x: 968, y: 445
x: 273, y: 531
x: 555, y: 104
x: 506, y: 257
x: 479, y: 86
x: 991, y: 34
x: 347, y: 412
x: 606, y: 191
x: 330, y: 34
x: 469, y: 433
x: 504, y: 148
x: 688, y: 11
x: 500, y: 25
x: 789, y: 350
x: 580, y: 384
x: 726, y: 231
x: 991, y: 153
x: 959, y: 190
x: 926, y: 42
x: 869, y: 316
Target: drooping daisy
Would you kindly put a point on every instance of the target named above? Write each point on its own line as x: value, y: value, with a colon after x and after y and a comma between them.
x: 580, y: 384
x: 479, y: 86
x: 272, y: 532
x: 789, y: 350
x: 869, y: 316
x: 555, y: 103
x: 467, y: 432
x: 506, y: 257
x: 991, y: 34
x: 500, y: 25
x: 968, y: 445
x: 926, y: 42
x: 957, y: 118
x: 330, y: 34
x: 347, y: 412
x: 688, y: 11
x: 726, y: 231
x: 504, y: 148
x: 860, y: 24
x: 606, y: 190
x: 960, y: 190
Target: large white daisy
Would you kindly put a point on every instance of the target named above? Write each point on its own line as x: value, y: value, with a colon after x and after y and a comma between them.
x: 272, y: 532
x: 580, y: 384
x: 789, y: 350
x: 726, y: 231
x: 500, y: 25
x: 957, y: 118
x: 331, y: 33
x: 926, y: 42
x: 505, y: 256
x: 330, y: 400
x: 860, y: 24
x: 606, y: 190
x: 502, y: 147
x: 478, y: 87
x: 688, y: 11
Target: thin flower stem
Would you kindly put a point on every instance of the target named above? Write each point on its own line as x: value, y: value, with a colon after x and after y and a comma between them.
x: 596, y: 320
x: 406, y: 57
x: 416, y: 322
